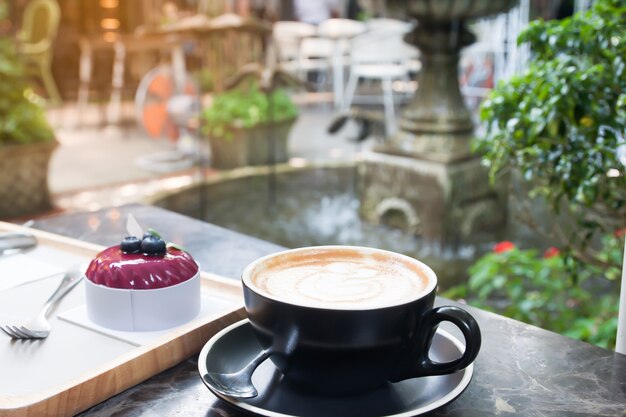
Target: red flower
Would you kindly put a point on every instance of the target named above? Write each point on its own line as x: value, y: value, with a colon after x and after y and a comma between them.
x: 551, y: 252
x: 619, y: 233
x: 503, y: 246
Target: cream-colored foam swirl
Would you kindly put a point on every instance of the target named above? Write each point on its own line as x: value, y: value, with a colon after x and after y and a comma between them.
x: 342, y: 284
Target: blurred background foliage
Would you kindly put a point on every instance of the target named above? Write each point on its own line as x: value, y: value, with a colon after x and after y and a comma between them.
x: 557, y: 129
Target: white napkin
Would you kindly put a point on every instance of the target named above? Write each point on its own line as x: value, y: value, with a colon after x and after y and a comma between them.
x: 20, y: 268
x: 210, y: 306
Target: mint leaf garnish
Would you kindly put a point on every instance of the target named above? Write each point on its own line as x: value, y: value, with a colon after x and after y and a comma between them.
x: 176, y: 246
x: 154, y: 233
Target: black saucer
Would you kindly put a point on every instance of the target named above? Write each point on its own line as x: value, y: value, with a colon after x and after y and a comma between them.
x: 232, y: 349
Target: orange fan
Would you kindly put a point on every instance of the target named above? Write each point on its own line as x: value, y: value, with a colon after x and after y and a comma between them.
x: 162, y: 108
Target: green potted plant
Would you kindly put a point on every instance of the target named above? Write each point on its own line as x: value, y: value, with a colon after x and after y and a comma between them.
x: 249, y: 126
x: 26, y: 139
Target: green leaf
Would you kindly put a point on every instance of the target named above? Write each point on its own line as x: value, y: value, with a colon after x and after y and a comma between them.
x: 154, y: 233
x: 176, y: 246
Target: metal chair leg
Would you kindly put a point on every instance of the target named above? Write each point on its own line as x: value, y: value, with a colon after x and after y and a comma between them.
x: 49, y: 83
x: 84, y: 74
x: 353, y: 81
x: 389, y: 106
x: 117, y: 83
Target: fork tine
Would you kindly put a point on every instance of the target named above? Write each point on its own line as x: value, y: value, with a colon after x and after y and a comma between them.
x: 39, y: 327
x: 8, y: 331
x: 11, y: 332
x: 21, y: 330
x: 19, y: 333
x: 32, y: 333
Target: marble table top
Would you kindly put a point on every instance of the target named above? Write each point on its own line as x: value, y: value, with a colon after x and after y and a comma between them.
x: 521, y: 370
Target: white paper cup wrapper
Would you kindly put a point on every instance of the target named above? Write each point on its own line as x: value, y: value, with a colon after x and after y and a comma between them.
x: 143, y: 310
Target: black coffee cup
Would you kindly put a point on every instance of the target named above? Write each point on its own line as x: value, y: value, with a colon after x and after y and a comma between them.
x: 343, y: 351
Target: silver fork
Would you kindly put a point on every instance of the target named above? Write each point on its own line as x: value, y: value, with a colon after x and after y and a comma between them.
x: 39, y: 327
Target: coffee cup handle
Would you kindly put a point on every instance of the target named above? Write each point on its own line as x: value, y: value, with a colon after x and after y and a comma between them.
x: 424, y: 366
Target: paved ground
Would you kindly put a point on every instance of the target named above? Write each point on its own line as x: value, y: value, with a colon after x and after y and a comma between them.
x: 97, y: 164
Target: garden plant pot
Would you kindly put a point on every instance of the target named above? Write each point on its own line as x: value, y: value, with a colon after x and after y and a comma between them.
x: 251, y: 146
x: 24, y: 179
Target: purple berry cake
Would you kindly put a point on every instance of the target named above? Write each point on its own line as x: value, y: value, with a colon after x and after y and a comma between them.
x: 129, y: 284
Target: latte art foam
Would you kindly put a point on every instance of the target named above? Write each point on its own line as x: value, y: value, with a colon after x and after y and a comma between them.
x: 340, y: 282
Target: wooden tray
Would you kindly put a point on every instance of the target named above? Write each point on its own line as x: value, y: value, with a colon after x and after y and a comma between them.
x: 77, y: 367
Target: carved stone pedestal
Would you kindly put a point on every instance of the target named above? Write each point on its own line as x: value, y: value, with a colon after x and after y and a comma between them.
x: 445, y: 203
x: 425, y: 177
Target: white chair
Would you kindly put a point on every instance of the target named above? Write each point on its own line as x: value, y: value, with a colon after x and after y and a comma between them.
x: 315, y: 55
x: 401, y: 26
x: 36, y: 37
x: 299, y: 49
x: 495, y: 55
x: 341, y: 28
x: 288, y: 37
x: 384, y: 23
x: 379, y: 55
x: 481, y: 61
x: 340, y: 32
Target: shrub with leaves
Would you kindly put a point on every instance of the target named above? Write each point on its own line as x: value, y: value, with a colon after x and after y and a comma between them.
x: 22, y: 120
x: 246, y: 107
x: 559, y: 126
x: 559, y: 123
x: 539, y: 289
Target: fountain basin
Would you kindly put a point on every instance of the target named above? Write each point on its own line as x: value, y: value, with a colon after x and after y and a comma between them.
x: 314, y: 205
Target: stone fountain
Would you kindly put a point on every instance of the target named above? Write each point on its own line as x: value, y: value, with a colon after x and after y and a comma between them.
x: 425, y: 175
